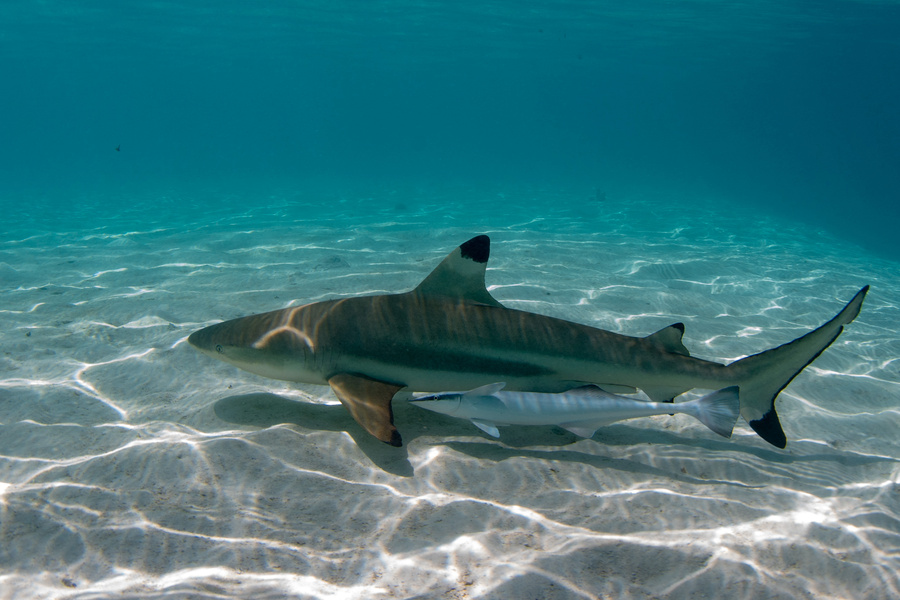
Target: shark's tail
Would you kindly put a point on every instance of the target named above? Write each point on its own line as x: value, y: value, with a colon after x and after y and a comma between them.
x: 762, y: 376
x: 718, y: 411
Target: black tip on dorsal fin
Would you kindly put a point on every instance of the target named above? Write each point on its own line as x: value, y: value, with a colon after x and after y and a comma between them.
x: 460, y: 276
x: 477, y: 249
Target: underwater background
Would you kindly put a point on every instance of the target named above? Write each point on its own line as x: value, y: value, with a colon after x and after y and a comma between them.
x: 786, y: 107
x: 165, y: 165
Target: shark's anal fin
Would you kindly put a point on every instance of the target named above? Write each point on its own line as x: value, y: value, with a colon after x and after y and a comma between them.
x: 668, y: 339
x: 460, y: 275
x: 369, y: 402
x: 663, y: 394
x: 612, y: 388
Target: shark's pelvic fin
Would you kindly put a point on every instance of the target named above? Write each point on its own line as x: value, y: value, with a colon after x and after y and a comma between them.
x: 762, y: 376
x: 460, y: 275
x: 369, y: 402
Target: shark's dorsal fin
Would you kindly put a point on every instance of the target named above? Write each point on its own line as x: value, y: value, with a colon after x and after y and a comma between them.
x: 669, y: 338
x: 461, y: 274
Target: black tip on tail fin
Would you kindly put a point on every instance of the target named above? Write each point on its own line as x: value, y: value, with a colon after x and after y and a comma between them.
x: 769, y: 429
x: 761, y: 377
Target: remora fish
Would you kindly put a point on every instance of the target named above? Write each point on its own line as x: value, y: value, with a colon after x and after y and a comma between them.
x: 449, y: 333
x: 582, y: 410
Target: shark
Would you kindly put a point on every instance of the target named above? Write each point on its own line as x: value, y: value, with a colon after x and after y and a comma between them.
x: 450, y: 333
x: 581, y: 410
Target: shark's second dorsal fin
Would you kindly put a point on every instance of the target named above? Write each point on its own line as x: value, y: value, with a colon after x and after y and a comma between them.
x: 461, y: 274
x: 669, y: 338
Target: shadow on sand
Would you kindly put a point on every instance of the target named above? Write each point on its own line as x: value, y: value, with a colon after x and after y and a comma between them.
x: 266, y: 410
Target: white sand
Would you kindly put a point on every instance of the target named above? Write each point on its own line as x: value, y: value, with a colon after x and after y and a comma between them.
x: 131, y: 466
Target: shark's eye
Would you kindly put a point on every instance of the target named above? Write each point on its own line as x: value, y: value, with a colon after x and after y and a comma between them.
x: 219, y: 348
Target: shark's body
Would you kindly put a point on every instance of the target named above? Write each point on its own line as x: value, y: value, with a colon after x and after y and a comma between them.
x: 450, y: 333
x: 581, y: 410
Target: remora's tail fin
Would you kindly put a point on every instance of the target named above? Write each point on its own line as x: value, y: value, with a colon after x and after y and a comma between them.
x: 762, y: 376
x: 718, y: 411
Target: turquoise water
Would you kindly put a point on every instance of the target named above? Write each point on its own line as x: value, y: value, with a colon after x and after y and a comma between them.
x: 166, y: 165
x: 788, y: 108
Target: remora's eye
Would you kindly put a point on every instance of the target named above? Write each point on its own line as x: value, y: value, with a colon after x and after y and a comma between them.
x: 219, y: 348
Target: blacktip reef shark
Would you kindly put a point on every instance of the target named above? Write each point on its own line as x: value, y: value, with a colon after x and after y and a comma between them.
x: 449, y: 333
x: 581, y: 410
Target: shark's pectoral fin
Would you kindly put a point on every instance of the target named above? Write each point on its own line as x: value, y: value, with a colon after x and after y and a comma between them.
x: 369, y: 402
x: 487, y: 427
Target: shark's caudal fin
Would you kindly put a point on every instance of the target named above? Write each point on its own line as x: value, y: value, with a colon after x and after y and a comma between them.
x: 718, y: 411
x: 762, y: 376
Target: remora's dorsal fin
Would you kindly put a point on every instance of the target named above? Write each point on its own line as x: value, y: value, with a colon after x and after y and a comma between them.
x: 486, y: 390
x: 461, y: 274
x: 669, y: 338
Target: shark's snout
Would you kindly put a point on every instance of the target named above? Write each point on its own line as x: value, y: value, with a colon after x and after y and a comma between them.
x: 207, y: 340
x: 265, y: 344
x: 194, y: 340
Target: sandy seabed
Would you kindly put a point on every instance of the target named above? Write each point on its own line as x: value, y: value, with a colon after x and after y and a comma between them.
x: 132, y: 466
